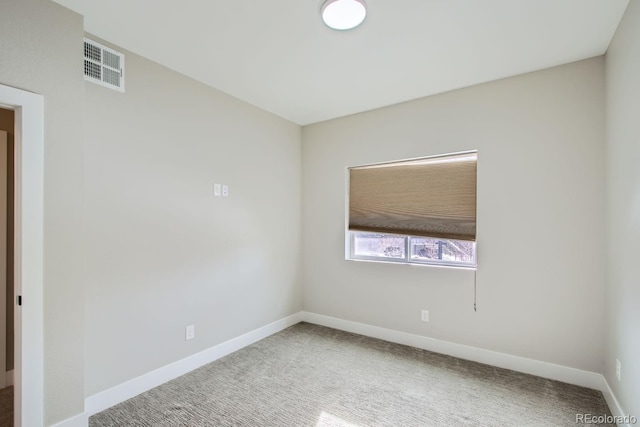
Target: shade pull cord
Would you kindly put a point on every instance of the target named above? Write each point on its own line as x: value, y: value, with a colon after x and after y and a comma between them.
x: 475, y: 289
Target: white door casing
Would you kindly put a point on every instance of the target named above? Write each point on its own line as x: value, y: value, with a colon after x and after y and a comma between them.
x: 28, y: 252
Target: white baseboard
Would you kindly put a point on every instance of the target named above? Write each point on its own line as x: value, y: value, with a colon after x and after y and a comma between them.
x: 612, y: 401
x: 8, y: 378
x: 494, y: 358
x: 80, y: 420
x: 105, y: 399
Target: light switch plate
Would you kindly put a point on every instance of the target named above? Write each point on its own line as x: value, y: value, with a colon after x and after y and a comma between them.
x: 217, y: 190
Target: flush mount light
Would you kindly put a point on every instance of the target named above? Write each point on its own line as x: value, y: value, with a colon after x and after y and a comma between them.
x: 343, y: 14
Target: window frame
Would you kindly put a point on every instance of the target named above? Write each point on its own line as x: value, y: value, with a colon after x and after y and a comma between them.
x: 351, y: 256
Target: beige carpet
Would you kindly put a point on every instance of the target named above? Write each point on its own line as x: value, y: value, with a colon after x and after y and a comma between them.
x: 309, y: 375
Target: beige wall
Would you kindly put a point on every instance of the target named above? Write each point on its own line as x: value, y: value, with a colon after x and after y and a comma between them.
x: 41, y: 45
x: 6, y: 124
x: 539, y: 138
x: 623, y: 187
x: 161, y: 251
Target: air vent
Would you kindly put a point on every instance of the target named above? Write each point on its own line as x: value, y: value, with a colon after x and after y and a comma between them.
x: 103, y: 66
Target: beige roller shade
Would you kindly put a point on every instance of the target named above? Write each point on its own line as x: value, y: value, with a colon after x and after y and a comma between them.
x: 433, y: 197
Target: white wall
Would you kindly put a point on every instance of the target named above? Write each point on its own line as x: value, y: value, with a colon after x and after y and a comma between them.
x: 161, y: 251
x: 623, y: 219
x: 540, y: 217
x: 41, y: 46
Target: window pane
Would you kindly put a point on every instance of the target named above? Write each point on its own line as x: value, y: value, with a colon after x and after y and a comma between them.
x: 442, y: 250
x: 378, y: 245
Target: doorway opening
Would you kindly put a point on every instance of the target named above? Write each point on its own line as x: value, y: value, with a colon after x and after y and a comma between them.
x: 7, y: 132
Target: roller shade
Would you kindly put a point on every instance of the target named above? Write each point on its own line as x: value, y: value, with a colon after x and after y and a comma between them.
x: 433, y: 197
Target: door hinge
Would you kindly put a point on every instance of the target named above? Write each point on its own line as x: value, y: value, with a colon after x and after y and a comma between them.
x: 19, y: 299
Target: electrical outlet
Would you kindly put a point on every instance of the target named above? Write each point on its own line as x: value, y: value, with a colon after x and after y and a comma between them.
x: 424, y: 315
x: 618, y: 368
x: 190, y: 332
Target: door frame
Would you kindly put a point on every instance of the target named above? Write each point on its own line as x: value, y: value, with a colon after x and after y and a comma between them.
x: 28, y: 253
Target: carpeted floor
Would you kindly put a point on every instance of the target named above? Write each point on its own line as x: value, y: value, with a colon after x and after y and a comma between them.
x: 309, y: 375
x: 6, y: 407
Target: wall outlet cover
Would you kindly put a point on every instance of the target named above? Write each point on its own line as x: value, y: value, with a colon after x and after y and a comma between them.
x: 190, y: 332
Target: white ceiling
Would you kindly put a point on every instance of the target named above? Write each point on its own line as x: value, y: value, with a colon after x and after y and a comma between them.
x: 278, y: 55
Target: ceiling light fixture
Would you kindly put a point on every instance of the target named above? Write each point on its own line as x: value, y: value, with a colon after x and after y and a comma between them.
x: 343, y: 14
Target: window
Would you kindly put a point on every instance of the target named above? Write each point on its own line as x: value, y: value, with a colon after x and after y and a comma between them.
x: 419, y: 211
x: 412, y: 249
